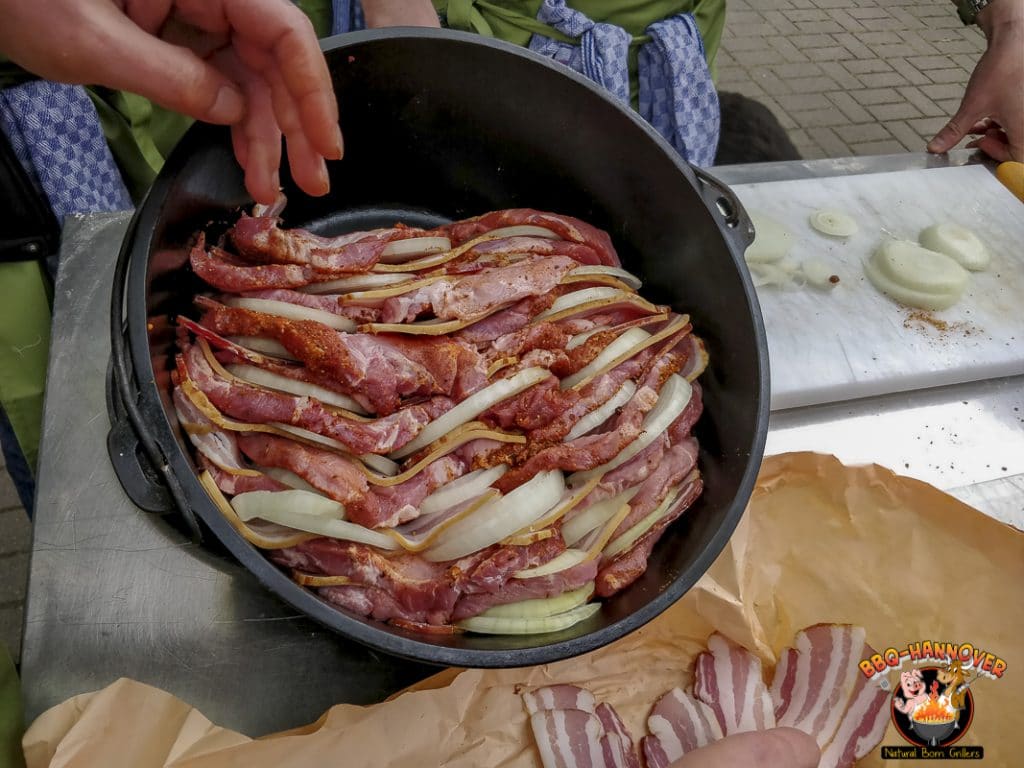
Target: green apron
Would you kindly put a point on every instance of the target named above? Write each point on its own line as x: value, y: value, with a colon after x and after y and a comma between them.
x: 515, y: 21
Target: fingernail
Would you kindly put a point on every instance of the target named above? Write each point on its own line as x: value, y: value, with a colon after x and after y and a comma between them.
x: 228, y: 107
x: 325, y: 180
x: 339, y: 143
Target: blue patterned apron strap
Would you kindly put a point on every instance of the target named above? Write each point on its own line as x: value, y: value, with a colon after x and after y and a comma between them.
x: 677, y: 95
x: 55, y: 133
x: 601, y: 56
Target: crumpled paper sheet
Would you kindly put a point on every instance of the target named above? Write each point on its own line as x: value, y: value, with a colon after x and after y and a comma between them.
x: 820, y: 543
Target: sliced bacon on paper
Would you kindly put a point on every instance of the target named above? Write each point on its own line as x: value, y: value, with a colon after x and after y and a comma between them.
x: 678, y: 724
x: 814, y: 679
x: 728, y: 679
x: 566, y: 227
x: 573, y: 730
x: 863, y: 724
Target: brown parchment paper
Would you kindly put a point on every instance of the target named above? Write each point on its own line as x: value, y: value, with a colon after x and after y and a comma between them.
x: 820, y: 542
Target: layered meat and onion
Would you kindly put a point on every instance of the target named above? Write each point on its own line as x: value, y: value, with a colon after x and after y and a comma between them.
x: 482, y: 426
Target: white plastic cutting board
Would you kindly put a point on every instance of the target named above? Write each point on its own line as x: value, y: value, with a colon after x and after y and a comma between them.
x: 855, y: 342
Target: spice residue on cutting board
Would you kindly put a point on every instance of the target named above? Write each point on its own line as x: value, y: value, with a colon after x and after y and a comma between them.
x: 923, y: 320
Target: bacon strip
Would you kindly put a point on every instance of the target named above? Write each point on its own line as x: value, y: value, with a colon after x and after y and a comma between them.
x: 863, y: 724
x: 566, y: 227
x: 260, y: 239
x: 572, y: 729
x: 383, y: 368
x: 515, y: 590
x: 728, y: 679
x: 258, y: 406
x: 676, y: 463
x: 815, y: 683
x: 232, y: 484
x: 224, y: 272
x: 678, y: 724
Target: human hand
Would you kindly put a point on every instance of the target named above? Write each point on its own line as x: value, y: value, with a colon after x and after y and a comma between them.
x: 252, y: 64
x: 993, y: 104
x: 777, y: 748
x: 400, y: 13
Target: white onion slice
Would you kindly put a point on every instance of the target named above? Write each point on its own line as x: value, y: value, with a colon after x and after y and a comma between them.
x: 600, y: 269
x: 290, y: 479
x: 472, y: 407
x: 542, y: 606
x: 282, y: 514
x: 568, y: 559
x: 916, y: 276
x: 580, y: 338
x: 398, y: 251
x: 494, y: 625
x: 772, y: 241
x: 264, y: 378
x: 674, y: 395
x: 361, y: 282
x: 503, y: 517
x: 292, y: 312
x: 381, y: 464
x: 258, y: 504
x: 308, y: 436
x: 958, y: 243
x: 595, y: 516
x: 574, y: 299
x: 263, y: 346
x: 462, y: 489
x: 522, y: 230
x: 834, y: 223
x: 619, y: 346
x: 600, y: 415
x: 630, y: 537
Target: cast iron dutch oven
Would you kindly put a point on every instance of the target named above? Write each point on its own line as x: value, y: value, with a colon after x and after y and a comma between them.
x: 440, y: 126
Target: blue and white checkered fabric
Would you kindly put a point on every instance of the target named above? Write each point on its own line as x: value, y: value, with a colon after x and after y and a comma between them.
x: 676, y: 96
x: 55, y: 133
x: 601, y: 55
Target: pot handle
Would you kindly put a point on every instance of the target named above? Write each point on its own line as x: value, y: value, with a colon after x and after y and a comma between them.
x: 134, y: 471
x: 727, y: 207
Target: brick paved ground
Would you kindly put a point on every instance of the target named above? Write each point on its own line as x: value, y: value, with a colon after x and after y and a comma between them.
x: 850, y: 77
x: 844, y: 77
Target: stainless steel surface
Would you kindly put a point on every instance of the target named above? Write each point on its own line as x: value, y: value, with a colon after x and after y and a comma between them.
x: 117, y: 592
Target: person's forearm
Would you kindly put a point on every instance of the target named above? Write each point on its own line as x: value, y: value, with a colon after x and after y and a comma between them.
x: 399, y: 13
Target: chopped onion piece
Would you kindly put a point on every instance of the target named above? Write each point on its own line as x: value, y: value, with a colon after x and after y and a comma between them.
x: 472, y: 407
x: 263, y: 346
x: 628, y: 278
x: 819, y: 274
x: 264, y: 378
x: 290, y: 479
x: 381, y: 464
x: 363, y: 282
x: 503, y: 517
x: 570, y: 500
x: 262, y: 535
x: 292, y: 312
x: 318, y: 524
x: 916, y: 276
x: 492, y: 625
x: 600, y: 415
x: 772, y: 241
x: 632, y: 338
x: 462, y: 489
x: 568, y: 559
x: 422, y: 532
x: 595, y: 516
x: 259, y: 504
x: 598, y: 539
x: 626, y: 540
x: 958, y: 243
x: 675, y: 394
x: 522, y: 230
x: 308, y: 436
x: 398, y: 251
x: 834, y: 223
x: 542, y: 606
